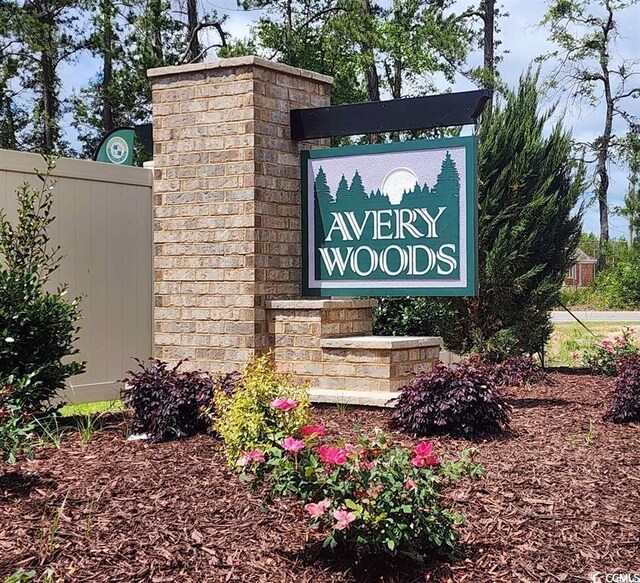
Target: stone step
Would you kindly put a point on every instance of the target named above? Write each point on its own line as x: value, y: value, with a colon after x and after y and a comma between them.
x: 346, y: 397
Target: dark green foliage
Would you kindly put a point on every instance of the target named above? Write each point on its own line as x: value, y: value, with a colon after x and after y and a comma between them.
x: 37, y: 327
x: 619, y: 285
x: 16, y: 424
x: 448, y: 183
x: 528, y: 188
x: 166, y: 403
x: 409, y: 317
x: 461, y: 401
x: 625, y: 406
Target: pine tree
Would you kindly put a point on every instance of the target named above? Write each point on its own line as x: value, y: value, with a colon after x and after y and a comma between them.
x: 631, y: 208
x: 448, y: 182
x: 342, y: 194
x: 48, y: 34
x: 356, y: 190
x: 323, y: 193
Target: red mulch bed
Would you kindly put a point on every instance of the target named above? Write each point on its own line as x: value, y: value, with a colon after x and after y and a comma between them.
x: 562, y: 499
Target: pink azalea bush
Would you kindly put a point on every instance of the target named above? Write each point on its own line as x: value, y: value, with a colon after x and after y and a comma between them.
x: 604, y: 356
x: 367, y: 495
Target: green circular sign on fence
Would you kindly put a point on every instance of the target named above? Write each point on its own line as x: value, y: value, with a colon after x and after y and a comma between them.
x: 117, y: 147
x: 117, y: 150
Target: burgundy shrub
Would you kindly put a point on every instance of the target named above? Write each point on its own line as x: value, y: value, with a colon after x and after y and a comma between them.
x: 625, y: 406
x: 463, y: 400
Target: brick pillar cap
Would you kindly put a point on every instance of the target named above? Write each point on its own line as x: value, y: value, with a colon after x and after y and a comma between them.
x: 249, y: 61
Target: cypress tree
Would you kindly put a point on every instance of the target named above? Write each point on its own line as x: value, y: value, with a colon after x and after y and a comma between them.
x: 528, y: 232
x: 528, y: 187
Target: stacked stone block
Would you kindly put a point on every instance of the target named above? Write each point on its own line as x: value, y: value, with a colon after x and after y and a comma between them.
x: 329, y: 344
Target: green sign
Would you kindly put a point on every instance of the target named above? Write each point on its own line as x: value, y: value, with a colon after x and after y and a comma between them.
x: 117, y: 147
x: 391, y: 219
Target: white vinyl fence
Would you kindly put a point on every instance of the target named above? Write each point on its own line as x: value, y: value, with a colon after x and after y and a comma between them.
x: 104, y: 226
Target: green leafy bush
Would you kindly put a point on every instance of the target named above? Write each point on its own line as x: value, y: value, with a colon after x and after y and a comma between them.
x: 38, y: 328
x: 619, y: 285
x: 409, y: 317
x: 16, y: 424
x: 625, y: 405
x: 581, y: 297
x: 244, y: 416
x: 366, y: 496
x: 166, y: 403
x: 462, y: 400
x: 603, y: 357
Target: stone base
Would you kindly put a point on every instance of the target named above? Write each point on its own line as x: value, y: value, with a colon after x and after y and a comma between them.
x: 355, y: 398
x: 315, y: 341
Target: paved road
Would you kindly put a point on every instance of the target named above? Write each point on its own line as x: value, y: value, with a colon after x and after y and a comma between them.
x: 623, y: 317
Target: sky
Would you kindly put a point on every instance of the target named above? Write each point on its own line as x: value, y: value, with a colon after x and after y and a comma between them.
x: 522, y: 40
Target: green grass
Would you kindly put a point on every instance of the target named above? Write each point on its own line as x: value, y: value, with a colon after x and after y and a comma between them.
x: 83, y: 409
x: 571, y: 337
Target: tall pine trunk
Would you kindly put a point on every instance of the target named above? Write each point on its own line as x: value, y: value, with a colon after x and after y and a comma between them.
x: 107, y: 65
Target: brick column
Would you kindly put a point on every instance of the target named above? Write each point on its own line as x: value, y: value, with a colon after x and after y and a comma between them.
x: 226, y: 204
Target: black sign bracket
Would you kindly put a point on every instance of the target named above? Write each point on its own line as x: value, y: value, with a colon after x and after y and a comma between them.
x: 415, y: 113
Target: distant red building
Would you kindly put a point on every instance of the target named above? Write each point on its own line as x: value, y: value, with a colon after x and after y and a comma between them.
x: 582, y: 272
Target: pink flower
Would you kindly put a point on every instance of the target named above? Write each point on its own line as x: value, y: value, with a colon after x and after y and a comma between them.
x: 424, y: 448
x: 255, y: 456
x: 425, y: 462
x: 283, y: 404
x: 311, y: 430
x: 344, y: 519
x: 331, y: 455
x: 317, y: 510
x: 292, y: 444
x: 574, y: 355
x: 409, y: 484
x: 422, y: 455
x: 367, y: 465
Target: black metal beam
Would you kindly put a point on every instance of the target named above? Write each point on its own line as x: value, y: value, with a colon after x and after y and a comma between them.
x: 416, y: 113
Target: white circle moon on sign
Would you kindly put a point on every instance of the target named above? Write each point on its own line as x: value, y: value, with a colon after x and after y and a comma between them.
x: 397, y: 182
x: 117, y: 150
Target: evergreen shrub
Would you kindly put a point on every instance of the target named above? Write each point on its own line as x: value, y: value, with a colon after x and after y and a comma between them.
x: 528, y: 186
x: 38, y: 328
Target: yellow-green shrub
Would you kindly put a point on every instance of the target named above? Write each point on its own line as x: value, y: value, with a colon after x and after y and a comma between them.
x: 244, y: 417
